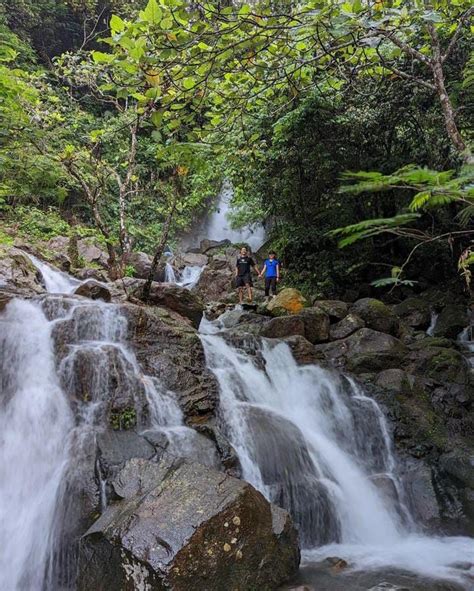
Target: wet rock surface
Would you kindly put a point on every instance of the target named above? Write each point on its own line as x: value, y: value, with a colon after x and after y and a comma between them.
x: 180, y: 525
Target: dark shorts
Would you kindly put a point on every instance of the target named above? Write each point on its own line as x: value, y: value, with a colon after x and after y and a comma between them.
x: 243, y: 280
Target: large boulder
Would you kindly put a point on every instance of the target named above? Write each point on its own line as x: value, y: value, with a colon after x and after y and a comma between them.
x: 176, y: 298
x: 18, y: 274
x: 90, y: 251
x: 345, y: 327
x: 284, y: 326
x: 366, y: 350
x: 183, y: 526
x: 335, y: 309
x: 376, y: 315
x: 451, y: 321
x: 207, y: 245
x: 414, y: 312
x: 396, y: 380
x: 288, y: 301
x: 439, y: 363
x: 191, y: 259
x: 316, y: 324
x: 215, y: 284
x: 141, y: 263
x: 169, y: 348
x: 93, y: 290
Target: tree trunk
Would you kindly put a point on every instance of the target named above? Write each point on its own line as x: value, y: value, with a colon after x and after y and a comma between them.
x: 159, y: 251
x: 436, y: 64
x: 448, y: 112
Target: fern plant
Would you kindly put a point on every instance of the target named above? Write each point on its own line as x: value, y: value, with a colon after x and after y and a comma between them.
x: 432, y: 189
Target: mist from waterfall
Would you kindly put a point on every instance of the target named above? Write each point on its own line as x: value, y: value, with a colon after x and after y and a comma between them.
x: 310, y: 440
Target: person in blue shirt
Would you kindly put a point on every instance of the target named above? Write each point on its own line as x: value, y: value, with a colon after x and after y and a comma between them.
x: 271, y: 270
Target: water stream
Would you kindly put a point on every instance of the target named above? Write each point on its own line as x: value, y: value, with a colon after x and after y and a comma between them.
x: 311, y: 441
x: 63, y: 361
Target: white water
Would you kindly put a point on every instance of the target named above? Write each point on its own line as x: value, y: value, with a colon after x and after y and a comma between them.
x: 217, y: 225
x: 433, y: 321
x: 54, y: 281
x: 312, y: 442
x: 35, y: 427
x: 188, y: 277
x: 43, y: 446
x: 170, y: 275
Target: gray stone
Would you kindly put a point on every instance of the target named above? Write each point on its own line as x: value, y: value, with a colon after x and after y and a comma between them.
x: 284, y: 326
x: 183, y: 526
x: 335, y: 309
x: 91, y: 252
x: 346, y: 327
x: 451, y: 321
x: 396, y: 380
x: 93, y: 290
x: 365, y: 351
x: 376, y: 315
x: 415, y: 312
x: 316, y: 325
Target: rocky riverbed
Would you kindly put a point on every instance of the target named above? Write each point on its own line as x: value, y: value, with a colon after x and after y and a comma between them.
x: 161, y: 504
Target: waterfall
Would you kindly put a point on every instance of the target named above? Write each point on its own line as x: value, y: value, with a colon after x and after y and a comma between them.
x: 217, y: 225
x: 63, y: 362
x: 188, y: 277
x: 466, y: 339
x: 170, y: 275
x: 433, y: 321
x: 35, y: 426
x: 54, y: 281
x: 310, y: 440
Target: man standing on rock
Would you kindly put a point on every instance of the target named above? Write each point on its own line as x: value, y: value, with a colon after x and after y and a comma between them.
x: 271, y: 270
x: 243, y: 274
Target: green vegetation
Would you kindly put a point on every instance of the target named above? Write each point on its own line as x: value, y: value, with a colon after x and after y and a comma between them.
x: 121, y: 120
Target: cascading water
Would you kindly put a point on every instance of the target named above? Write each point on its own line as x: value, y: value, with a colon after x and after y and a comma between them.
x: 54, y: 281
x: 217, y: 225
x: 63, y: 362
x: 312, y: 442
x: 188, y: 277
x: 466, y: 340
x: 170, y: 275
x: 35, y: 425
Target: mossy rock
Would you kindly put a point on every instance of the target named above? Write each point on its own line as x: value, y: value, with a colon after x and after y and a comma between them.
x: 376, y: 315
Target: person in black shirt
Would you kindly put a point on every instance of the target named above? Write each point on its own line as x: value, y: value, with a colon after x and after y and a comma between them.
x: 243, y: 276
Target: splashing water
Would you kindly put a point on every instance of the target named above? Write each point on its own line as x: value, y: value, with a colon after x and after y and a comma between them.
x: 54, y: 281
x: 312, y: 442
x: 35, y: 426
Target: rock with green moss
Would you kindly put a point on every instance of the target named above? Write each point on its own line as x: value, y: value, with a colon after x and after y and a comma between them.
x: 180, y: 525
x: 376, y: 315
x: 396, y: 380
x: 365, y: 351
x: 414, y: 312
x: 441, y: 364
x: 451, y: 321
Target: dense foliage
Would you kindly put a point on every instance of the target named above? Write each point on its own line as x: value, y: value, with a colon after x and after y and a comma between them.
x: 128, y: 116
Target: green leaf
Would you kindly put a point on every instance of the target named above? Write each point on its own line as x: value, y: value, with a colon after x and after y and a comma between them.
x: 152, y: 12
x: 102, y: 58
x: 116, y: 24
x: 189, y: 83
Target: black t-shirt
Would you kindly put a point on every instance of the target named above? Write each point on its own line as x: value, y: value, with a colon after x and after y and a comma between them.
x: 244, y: 264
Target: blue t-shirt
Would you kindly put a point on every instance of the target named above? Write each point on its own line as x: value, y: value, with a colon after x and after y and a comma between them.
x: 271, y: 267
